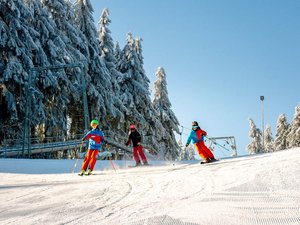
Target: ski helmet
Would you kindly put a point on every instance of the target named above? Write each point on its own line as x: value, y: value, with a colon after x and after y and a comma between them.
x: 132, y: 126
x: 195, y: 123
x: 94, y: 122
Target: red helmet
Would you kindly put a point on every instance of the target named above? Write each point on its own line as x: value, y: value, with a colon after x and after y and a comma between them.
x: 132, y: 126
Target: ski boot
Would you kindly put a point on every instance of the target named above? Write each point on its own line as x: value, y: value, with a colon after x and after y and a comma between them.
x: 205, y: 161
x: 136, y: 165
x: 89, y: 172
x: 82, y: 173
x: 213, y: 160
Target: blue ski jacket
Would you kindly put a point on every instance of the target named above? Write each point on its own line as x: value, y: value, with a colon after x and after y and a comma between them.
x: 95, y: 138
x: 196, y: 136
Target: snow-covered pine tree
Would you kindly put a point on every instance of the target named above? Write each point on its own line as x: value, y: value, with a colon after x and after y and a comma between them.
x: 135, y: 93
x: 187, y: 153
x: 77, y: 46
x: 77, y: 52
x: 166, y: 116
x: 106, y: 43
x: 117, y: 52
x: 17, y: 49
x: 153, y: 127
x: 268, y: 139
x: 99, y: 87
x: 64, y: 17
x: 117, y: 120
x: 54, y: 84
x: 282, y: 128
x: 182, y: 155
x: 191, y: 152
x: 255, y: 134
x: 293, y: 137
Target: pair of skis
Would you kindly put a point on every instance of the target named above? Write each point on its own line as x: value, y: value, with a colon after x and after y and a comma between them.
x: 106, y: 154
x: 140, y: 165
x: 85, y: 174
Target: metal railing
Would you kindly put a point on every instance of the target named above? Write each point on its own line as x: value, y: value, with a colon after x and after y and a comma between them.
x: 14, y: 147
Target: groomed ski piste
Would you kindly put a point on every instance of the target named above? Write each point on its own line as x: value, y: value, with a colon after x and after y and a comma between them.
x: 257, y: 189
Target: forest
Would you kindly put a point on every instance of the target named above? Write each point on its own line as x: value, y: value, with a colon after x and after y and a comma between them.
x: 49, y: 104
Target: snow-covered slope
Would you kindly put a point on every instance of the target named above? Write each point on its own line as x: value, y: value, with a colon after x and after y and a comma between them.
x: 259, y: 189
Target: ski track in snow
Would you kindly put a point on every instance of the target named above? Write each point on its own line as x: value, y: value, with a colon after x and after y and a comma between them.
x: 260, y: 189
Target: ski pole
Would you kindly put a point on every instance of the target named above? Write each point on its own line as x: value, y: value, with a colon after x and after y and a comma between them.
x: 75, y: 165
x: 112, y: 164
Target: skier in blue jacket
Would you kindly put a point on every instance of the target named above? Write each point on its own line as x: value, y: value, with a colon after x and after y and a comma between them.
x: 96, y: 139
x: 197, y: 137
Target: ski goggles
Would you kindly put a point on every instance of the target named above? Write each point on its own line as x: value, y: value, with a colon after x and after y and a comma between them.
x: 194, y: 127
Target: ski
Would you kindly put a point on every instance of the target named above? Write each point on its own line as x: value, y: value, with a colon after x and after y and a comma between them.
x: 214, y: 160
x: 85, y: 174
x: 140, y: 165
x: 133, y: 166
x: 211, y: 161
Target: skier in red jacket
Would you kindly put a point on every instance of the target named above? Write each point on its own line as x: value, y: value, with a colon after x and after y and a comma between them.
x: 135, y: 138
x: 197, y: 137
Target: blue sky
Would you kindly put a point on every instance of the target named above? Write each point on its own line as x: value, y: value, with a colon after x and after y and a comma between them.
x: 219, y: 57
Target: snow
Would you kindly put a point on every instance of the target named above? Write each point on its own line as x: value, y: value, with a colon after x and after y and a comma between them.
x: 256, y: 189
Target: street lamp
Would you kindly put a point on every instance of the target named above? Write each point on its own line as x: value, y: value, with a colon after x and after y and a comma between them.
x: 262, y: 98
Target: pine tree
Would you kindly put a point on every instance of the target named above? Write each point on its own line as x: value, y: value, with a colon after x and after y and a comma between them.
x: 282, y: 127
x: 183, y: 154
x: 17, y: 49
x: 191, y: 152
x: 117, y: 119
x: 55, y: 85
x: 99, y: 85
x: 255, y: 134
x: 74, y: 40
x: 167, y: 118
x: 77, y: 52
x: 77, y: 45
x: 187, y: 153
x: 135, y: 92
x: 106, y: 42
x: 153, y: 126
x: 293, y: 136
x: 117, y: 52
x: 268, y: 140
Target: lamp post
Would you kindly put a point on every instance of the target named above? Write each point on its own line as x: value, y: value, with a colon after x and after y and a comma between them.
x: 262, y: 98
